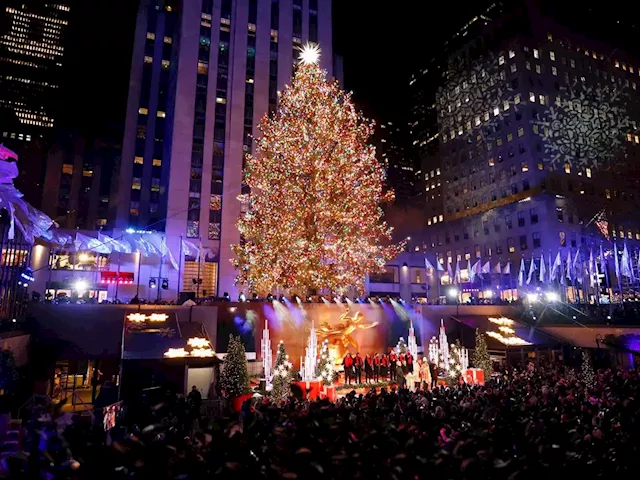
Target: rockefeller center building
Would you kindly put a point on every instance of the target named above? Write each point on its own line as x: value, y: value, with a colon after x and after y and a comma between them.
x: 203, y: 74
x: 538, y: 131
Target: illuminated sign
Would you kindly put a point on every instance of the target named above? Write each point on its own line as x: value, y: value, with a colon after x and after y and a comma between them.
x: 198, y: 348
x: 506, y: 336
x: 141, y: 317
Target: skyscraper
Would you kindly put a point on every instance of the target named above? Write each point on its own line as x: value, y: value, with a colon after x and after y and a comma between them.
x: 203, y: 74
x: 31, y: 53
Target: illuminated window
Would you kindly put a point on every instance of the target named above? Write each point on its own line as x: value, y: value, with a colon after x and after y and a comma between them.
x: 501, y: 60
x: 535, y: 129
x: 629, y: 137
x: 67, y: 169
x: 567, y: 168
x: 138, y: 160
x: 536, y: 53
x: 101, y: 222
x: 588, y: 172
x: 161, y: 114
x: 437, y: 171
x: 525, y: 167
x: 499, y: 142
x: 554, y: 71
x: 496, y: 111
x: 512, y: 53
x: 148, y: 59
x: 514, y: 68
x: 532, y: 97
x: 542, y: 99
x: 527, y: 65
x: 221, y: 100
x: 552, y: 56
x: 155, y: 184
x: 538, y: 69
x: 491, y: 162
x: 165, y: 64
x: 87, y: 173
x: 203, y: 68
x: 435, y: 219
x: 440, y: 217
x: 134, y: 208
x: 516, y: 99
x: 476, y: 121
x: 607, y: 193
x: 617, y: 64
x: 520, y: 131
x: 168, y: 40
x: 151, y: 36
x: 143, y: 111
x: 505, y: 106
x: 136, y: 184
x: 156, y: 162
x: 572, y: 62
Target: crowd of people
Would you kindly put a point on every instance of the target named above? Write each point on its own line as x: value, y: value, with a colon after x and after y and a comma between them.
x: 400, y: 368
x: 546, y: 422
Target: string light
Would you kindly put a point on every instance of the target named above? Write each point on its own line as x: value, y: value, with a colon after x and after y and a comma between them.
x: 313, y: 219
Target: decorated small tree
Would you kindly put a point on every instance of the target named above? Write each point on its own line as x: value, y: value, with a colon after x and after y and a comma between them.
x: 401, y: 347
x: 481, y: 358
x: 588, y: 375
x: 282, y: 374
x: 324, y: 368
x: 454, y: 369
x: 234, y: 379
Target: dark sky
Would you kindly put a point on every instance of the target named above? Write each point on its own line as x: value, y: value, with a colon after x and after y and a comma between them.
x: 381, y: 48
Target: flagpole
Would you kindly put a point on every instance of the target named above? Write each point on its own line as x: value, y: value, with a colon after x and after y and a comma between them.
x: 159, y: 284
x: 180, y: 271
x: 500, y: 280
x: 438, y: 278
x: 606, y: 274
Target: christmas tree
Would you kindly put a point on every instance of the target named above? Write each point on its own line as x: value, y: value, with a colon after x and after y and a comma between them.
x: 324, y: 368
x: 454, y: 369
x: 313, y: 218
x: 401, y: 347
x: 234, y: 378
x: 282, y: 374
x: 481, y: 357
x: 588, y: 375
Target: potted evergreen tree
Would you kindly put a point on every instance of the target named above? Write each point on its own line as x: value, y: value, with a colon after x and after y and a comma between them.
x: 234, y: 379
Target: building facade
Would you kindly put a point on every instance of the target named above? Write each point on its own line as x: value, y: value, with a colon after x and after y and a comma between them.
x: 203, y: 74
x: 538, y: 148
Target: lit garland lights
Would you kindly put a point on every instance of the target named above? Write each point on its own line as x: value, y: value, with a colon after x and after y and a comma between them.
x: 198, y: 348
x: 506, y: 336
x: 313, y: 217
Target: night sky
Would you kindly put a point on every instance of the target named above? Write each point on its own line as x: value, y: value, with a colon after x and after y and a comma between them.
x: 381, y: 48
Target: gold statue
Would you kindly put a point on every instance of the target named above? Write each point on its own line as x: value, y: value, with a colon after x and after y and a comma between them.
x: 339, y: 336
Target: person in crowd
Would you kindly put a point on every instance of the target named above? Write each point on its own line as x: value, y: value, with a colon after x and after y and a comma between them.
x: 368, y: 368
x: 433, y: 373
x: 358, y: 364
x: 425, y: 373
x: 347, y: 363
x: 409, y: 360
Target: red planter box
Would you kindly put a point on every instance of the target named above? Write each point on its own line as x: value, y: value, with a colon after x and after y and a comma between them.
x: 310, y: 390
x: 236, y: 402
x: 474, y: 376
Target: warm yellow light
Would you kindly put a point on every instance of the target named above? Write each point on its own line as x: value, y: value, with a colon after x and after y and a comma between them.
x: 176, y: 353
x: 83, y: 257
x: 506, y: 330
x: 202, y: 352
x: 309, y: 54
x: 158, y: 317
x: 501, y: 321
x: 198, y: 343
x: 136, y: 317
x: 510, y: 341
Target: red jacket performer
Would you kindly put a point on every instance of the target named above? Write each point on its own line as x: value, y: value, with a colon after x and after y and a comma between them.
x: 376, y: 367
x: 393, y: 358
x: 358, y: 364
x: 347, y: 363
x: 409, y: 360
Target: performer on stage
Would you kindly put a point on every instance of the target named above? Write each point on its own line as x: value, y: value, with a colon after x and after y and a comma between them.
x: 433, y: 372
x: 409, y: 359
x: 399, y: 374
x: 403, y: 361
x: 347, y: 363
x: 384, y: 367
x: 393, y: 359
x: 357, y: 362
x: 368, y: 368
x: 425, y: 374
x: 376, y: 367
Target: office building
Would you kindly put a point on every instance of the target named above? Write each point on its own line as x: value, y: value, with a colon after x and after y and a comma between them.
x: 31, y: 55
x: 203, y: 73
x: 392, y: 150
x: 538, y: 145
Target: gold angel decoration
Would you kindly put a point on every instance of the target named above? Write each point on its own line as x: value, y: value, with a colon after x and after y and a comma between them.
x: 339, y: 335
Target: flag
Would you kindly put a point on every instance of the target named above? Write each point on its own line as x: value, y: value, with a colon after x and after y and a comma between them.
x: 486, y: 268
x: 498, y: 268
x: 190, y: 249
x: 477, y: 269
x: 532, y: 269
x: 603, y: 262
x: 83, y: 242
x: 439, y: 264
x: 521, y: 273
x: 592, y: 272
x: 554, y: 268
x: 115, y: 245
x: 617, y: 262
x: 428, y: 266
x: 568, y: 266
x: 164, y: 249
x: 543, y: 268
x: 507, y: 268
x: 626, y: 270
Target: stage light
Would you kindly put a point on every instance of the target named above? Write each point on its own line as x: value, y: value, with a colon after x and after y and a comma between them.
x: 242, y: 297
x: 552, y: 297
x: 227, y: 297
x: 165, y: 284
x: 452, y: 292
x: 532, y: 297
x: 270, y: 298
x: 608, y: 317
x: 574, y: 317
x: 83, y: 257
x: 152, y: 283
x: 488, y: 294
x: 255, y: 297
x: 310, y: 299
x: 80, y: 286
x: 282, y: 299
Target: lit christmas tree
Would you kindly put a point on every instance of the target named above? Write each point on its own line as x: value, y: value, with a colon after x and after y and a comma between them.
x: 455, y: 363
x: 324, y: 369
x: 313, y: 217
x: 401, y: 347
x: 481, y: 357
x: 282, y: 374
x: 588, y: 375
x: 234, y: 378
